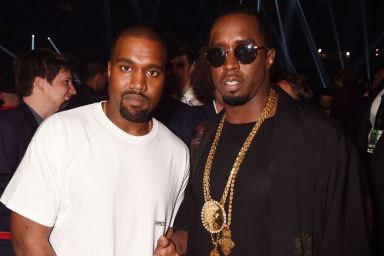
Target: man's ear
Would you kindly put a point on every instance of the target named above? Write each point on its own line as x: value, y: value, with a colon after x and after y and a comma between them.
x: 270, y: 58
x: 109, y: 69
x: 39, y: 83
x: 192, y: 67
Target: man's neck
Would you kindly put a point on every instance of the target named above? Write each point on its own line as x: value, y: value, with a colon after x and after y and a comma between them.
x: 135, y: 129
x: 186, y: 88
x: 39, y: 106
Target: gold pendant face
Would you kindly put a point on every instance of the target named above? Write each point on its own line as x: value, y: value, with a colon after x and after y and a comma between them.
x: 226, y: 242
x: 213, y: 216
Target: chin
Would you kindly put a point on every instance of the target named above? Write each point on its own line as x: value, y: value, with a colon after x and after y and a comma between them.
x: 134, y: 115
x: 63, y: 104
x: 235, y: 100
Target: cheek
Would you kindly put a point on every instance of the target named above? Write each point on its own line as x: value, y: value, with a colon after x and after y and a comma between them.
x: 215, y: 74
x: 60, y: 91
x: 254, y: 73
x: 117, y: 82
x: 120, y: 79
x: 155, y: 87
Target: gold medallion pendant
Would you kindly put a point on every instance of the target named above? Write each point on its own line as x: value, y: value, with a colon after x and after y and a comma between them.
x: 213, y: 216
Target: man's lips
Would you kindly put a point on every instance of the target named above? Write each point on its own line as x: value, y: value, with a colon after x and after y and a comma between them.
x: 231, y: 83
x: 67, y: 97
x: 135, y: 99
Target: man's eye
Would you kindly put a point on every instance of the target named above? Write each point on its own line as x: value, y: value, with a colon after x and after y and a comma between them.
x: 125, y: 68
x: 153, y: 73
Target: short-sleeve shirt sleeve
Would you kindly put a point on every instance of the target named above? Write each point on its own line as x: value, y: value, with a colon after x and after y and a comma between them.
x: 34, y: 190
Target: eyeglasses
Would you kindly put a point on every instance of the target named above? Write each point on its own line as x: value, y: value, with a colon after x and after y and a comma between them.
x: 245, y: 53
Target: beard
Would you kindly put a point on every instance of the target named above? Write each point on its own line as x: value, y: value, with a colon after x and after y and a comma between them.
x: 134, y: 114
x: 236, y: 101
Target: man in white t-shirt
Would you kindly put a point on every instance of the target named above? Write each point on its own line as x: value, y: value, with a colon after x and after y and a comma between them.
x: 103, y: 179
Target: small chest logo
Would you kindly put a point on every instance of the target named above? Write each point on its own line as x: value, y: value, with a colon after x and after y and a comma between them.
x: 159, y: 223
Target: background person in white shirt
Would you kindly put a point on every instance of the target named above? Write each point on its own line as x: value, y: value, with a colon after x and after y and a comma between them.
x: 180, y: 67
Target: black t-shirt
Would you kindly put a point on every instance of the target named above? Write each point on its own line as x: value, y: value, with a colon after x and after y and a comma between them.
x: 250, y: 215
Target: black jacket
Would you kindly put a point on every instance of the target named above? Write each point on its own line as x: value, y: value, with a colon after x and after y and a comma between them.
x: 17, y: 127
x: 317, y: 191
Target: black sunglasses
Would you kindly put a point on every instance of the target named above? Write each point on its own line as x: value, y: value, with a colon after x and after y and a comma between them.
x: 245, y: 53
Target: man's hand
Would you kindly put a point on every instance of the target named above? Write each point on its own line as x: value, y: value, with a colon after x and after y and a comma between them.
x: 165, y: 247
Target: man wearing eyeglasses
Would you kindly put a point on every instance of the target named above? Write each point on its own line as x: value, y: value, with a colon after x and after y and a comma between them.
x: 270, y: 177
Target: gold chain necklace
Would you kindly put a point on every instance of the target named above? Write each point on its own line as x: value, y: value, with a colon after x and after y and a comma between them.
x: 213, y: 214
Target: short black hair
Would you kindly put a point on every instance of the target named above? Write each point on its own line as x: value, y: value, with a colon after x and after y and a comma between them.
x: 43, y: 63
x: 178, y: 47
x: 249, y: 9
x: 139, y: 31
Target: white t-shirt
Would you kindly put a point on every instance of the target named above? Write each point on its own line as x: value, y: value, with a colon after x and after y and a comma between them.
x: 103, y: 191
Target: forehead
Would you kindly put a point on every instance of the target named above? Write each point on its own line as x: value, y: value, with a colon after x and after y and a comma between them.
x: 326, y: 97
x: 236, y: 27
x: 139, y: 49
x: 179, y: 58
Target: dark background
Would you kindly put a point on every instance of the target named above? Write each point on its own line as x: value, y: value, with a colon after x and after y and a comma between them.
x: 84, y: 26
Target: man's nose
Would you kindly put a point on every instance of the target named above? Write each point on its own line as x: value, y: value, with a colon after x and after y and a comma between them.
x: 72, y: 89
x: 231, y: 62
x: 138, y: 82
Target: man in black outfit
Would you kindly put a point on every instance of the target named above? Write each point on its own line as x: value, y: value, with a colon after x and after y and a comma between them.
x: 270, y: 176
x: 43, y: 81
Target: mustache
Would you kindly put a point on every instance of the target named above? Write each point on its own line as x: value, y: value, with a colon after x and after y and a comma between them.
x: 230, y: 76
x: 135, y: 93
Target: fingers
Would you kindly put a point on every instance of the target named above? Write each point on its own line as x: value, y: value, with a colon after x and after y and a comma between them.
x: 165, y: 247
x: 163, y: 242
